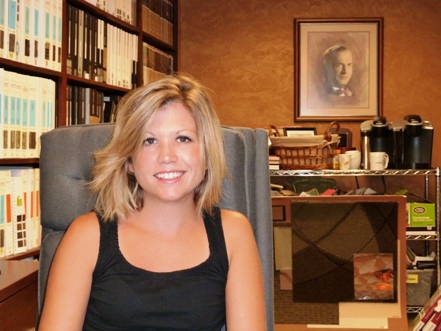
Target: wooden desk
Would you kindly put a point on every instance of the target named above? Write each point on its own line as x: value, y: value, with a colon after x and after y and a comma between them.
x: 18, y: 295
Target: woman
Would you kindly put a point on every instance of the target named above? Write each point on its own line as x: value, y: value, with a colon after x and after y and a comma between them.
x: 156, y: 253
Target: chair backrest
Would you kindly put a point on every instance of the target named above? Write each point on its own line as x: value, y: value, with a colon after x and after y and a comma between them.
x: 66, y: 160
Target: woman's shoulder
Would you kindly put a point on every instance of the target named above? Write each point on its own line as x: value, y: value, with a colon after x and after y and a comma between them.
x: 85, y: 226
x: 81, y: 241
x: 232, y: 217
x: 235, y: 224
x: 87, y: 220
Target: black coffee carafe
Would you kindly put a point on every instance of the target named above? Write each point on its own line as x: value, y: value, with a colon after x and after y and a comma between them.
x: 413, y: 139
x: 417, y: 143
x: 397, y: 128
x: 381, y: 138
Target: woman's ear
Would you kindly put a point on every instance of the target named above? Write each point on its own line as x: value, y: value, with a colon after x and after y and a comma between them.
x: 129, y: 167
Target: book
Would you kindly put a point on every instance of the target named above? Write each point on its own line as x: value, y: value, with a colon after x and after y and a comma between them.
x: 4, y: 6
x: 438, y: 327
x: 35, y: 22
x: 36, y: 209
x: 35, y: 222
x: 432, y: 305
x: 52, y: 104
x: 86, y: 45
x: 99, y: 49
x: 2, y: 215
x: 27, y: 202
x: 15, y: 132
x: 59, y: 34
x: 110, y: 107
x: 69, y: 33
x: 80, y: 44
x: 33, y: 140
x: 20, y: 31
x: 2, y: 96
x: 75, y: 34
x: 94, y: 57
x: 9, y: 242
x: 93, y: 114
x: 45, y: 30
x: 434, y: 320
x: 6, y: 115
x: 18, y: 211
x: 24, y: 150
x: 104, y: 57
x: 28, y: 32
x: 12, y: 29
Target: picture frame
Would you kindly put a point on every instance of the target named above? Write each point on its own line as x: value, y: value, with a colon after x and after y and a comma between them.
x: 338, y: 69
x: 291, y: 131
x: 345, y: 137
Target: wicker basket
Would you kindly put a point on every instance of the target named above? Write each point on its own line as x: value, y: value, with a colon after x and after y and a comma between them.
x: 305, y: 152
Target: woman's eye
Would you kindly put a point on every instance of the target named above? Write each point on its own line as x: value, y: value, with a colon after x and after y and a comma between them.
x: 149, y: 141
x: 183, y: 139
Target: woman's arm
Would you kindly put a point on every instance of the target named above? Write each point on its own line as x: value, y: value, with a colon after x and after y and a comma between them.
x: 70, y: 276
x: 245, y: 298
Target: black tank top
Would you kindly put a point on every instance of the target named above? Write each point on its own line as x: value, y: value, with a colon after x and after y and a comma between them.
x: 124, y: 297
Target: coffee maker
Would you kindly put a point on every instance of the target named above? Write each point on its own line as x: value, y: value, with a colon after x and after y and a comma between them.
x: 407, y: 142
x: 376, y: 136
x: 413, y: 140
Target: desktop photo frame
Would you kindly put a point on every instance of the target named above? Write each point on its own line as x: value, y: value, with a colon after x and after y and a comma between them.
x: 290, y: 131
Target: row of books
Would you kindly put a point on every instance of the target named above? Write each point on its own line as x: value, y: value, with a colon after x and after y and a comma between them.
x: 85, y: 105
x: 31, y: 32
x: 27, y: 110
x: 89, y: 106
x: 157, y: 19
x: 274, y: 162
x: 19, y: 210
x: 99, y: 51
x: 155, y: 63
x: 125, y: 10
x: 429, y: 317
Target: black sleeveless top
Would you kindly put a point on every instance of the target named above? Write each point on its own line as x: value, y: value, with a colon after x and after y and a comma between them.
x: 124, y: 297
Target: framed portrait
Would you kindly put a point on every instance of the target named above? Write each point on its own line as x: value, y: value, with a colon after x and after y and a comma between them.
x: 298, y: 131
x: 338, y: 69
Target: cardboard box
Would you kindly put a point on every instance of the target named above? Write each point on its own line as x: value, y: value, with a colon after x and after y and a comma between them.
x: 421, y: 215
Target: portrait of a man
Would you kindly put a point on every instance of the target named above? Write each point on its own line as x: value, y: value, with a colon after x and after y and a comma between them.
x: 337, y: 70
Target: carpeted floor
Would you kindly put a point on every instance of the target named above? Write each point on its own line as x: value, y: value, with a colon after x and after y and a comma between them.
x: 288, y: 312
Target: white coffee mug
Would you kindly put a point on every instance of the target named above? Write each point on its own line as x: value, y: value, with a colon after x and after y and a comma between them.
x: 344, y: 161
x: 378, y: 160
x: 355, y: 159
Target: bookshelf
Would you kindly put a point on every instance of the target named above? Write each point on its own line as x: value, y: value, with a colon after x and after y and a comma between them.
x: 156, y: 36
x: 121, y: 45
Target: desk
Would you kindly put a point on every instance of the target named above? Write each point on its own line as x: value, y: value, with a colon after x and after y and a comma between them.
x: 18, y: 295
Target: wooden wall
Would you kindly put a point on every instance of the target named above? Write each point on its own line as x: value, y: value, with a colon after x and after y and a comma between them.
x: 243, y: 51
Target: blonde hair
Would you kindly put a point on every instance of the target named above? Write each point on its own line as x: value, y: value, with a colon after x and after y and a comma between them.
x: 117, y: 190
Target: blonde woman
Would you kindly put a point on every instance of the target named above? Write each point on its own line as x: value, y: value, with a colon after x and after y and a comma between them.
x: 157, y: 253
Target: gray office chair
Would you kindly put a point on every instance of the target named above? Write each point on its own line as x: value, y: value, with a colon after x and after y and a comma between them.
x: 65, y: 167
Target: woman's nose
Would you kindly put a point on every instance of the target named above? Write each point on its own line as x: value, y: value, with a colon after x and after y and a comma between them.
x: 166, y: 153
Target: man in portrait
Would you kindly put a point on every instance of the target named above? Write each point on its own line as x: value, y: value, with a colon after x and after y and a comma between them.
x: 337, y: 70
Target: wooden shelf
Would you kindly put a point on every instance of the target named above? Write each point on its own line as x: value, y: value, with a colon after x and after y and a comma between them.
x: 35, y: 252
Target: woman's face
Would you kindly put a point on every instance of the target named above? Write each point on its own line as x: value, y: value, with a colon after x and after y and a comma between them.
x: 169, y: 166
